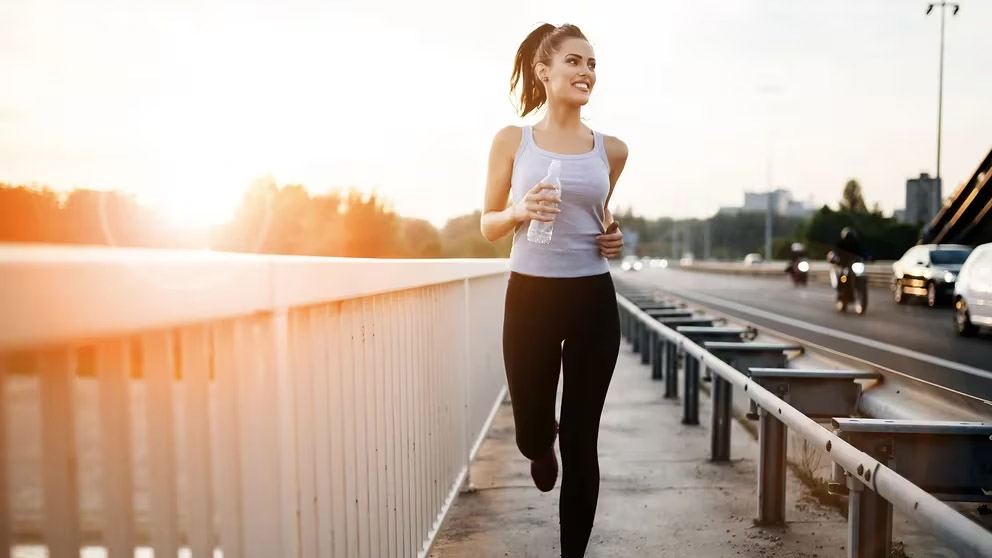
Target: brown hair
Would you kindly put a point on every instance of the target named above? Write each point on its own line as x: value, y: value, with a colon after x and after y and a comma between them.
x: 539, y: 46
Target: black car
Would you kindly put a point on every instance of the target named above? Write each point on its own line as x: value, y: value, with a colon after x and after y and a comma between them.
x: 929, y: 272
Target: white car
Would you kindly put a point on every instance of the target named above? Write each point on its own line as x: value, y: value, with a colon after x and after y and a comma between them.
x: 631, y: 263
x: 973, y: 292
x: 928, y: 271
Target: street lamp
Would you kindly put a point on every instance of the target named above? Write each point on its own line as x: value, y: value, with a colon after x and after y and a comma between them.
x: 943, y: 4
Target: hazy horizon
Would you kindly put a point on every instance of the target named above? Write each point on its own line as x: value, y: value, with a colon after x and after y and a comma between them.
x: 195, y: 100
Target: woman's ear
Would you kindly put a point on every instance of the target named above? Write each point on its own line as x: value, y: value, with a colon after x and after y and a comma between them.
x: 541, y: 69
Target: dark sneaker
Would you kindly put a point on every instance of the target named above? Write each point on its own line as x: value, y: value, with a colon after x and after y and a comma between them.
x: 544, y: 471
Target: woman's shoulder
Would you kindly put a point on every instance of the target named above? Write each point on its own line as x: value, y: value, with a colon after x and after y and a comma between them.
x: 616, y: 149
x: 509, y: 136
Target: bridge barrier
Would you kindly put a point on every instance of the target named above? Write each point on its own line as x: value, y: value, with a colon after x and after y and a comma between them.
x: 260, y: 405
x: 879, y: 273
x: 871, y: 479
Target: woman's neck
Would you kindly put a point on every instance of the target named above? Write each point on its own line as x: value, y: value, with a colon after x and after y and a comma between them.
x: 562, y: 119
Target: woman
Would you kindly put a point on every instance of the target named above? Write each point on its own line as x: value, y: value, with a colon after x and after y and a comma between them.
x: 561, y: 310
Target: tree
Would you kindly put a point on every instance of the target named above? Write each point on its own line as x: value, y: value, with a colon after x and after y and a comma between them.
x: 461, y: 238
x: 853, y: 199
x: 420, y: 239
x: 884, y: 237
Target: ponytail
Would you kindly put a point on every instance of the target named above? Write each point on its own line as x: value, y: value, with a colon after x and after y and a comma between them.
x: 539, y: 46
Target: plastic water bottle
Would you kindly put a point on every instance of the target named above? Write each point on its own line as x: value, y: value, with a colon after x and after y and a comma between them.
x: 540, y: 231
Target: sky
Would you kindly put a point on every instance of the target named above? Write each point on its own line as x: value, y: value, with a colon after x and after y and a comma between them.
x: 185, y: 103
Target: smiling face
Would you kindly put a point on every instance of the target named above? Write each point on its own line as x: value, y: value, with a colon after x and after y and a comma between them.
x: 571, y: 75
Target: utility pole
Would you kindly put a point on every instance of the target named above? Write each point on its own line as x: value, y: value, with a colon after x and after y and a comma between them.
x: 768, y: 228
x: 943, y: 4
x: 706, y: 239
x: 687, y: 239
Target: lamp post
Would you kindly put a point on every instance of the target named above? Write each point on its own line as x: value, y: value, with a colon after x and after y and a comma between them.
x: 943, y: 5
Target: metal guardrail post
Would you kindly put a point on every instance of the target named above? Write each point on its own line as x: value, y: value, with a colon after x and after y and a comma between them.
x: 658, y: 348
x: 869, y: 520
x: 690, y: 395
x: 817, y: 393
x: 635, y: 335
x: 645, y: 345
x: 671, y: 371
x: 622, y: 314
x: 772, y: 440
x: 723, y: 393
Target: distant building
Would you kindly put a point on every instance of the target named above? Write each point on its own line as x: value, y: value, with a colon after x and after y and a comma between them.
x: 899, y: 215
x: 923, y: 199
x: 779, y: 201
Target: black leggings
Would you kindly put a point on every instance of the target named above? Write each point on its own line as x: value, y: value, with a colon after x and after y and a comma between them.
x: 569, y: 325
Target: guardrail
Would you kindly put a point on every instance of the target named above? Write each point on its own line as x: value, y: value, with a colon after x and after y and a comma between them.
x: 265, y: 406
x: 864, y: 470
x: 879, y: 273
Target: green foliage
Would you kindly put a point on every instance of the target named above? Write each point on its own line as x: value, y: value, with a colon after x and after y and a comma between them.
x: 853, y: 199
x: 462, y: 238
x: 884, y: 238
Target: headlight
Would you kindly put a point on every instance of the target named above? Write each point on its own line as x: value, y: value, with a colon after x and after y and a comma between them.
x: 638, y: 266
x: 625, y: 266
x: 804, y: 267
x: 858, y: 268
x: 950, y: 277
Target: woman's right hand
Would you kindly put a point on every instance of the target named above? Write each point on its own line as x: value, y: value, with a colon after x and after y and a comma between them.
x: 531, y: 208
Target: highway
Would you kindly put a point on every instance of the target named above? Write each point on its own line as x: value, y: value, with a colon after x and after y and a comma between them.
x: 913, y: 339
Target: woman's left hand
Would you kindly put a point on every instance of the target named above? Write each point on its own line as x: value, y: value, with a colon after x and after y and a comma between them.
x: 610, y: 243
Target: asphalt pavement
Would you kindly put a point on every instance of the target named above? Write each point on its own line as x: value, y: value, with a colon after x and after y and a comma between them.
x: 913, y: 338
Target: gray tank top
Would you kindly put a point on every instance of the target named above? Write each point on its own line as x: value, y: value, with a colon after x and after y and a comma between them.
x: 585, y: 183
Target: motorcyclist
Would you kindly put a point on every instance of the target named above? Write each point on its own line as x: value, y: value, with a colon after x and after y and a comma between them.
x: 848, y: 248
x: 797, y: 252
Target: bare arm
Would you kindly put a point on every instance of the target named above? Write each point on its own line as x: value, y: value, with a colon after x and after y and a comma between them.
x: 616, y: 153
x: 611, y: 242
x: 499, y: 218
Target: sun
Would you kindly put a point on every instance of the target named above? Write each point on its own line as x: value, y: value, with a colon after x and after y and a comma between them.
x: 196, y: 208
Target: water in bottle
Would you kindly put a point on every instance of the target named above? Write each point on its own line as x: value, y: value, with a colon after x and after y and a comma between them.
x: 540, y: 231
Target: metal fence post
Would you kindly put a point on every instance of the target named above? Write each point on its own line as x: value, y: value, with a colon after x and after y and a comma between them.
x: 645, y: 343
x: 672, y: 371
x: 720, y: 436
x: 772, y: 439
x: 869, y: 518
x: 658, y: 347
x: 635, y: 335
x: 690, y: 406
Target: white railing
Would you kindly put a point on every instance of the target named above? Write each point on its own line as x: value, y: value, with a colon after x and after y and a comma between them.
x: 265, y: 406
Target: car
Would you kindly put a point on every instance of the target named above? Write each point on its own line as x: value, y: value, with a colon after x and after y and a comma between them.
x: 753, y: 258
x: 631, y: 263
x: 928, y: 271
x: 973, y: 292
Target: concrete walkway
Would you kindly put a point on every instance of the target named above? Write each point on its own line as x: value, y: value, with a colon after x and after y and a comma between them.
x: 660, y: 496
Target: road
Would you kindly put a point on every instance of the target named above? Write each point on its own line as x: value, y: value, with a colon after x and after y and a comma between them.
x: 913, y: 339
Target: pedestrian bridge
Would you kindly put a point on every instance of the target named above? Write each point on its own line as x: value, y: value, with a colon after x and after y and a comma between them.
x: 196, y: 404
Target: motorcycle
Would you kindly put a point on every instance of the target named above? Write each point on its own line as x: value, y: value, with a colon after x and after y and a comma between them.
x: 799, y: 272
x: 851, y: 283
